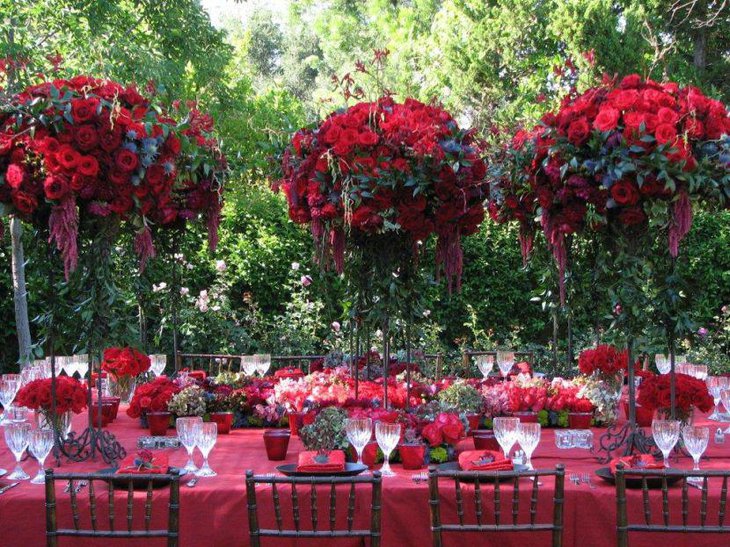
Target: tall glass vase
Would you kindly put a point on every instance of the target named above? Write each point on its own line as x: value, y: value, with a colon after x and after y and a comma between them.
x: 607, y: 405
x: 122, y: 387
x: 62, y: 422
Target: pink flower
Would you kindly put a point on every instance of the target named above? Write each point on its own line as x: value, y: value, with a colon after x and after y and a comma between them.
x: 306, y: 280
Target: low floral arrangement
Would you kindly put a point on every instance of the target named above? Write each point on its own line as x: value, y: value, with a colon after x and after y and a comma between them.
x: 327, y: 432
x: 152, y: 396
x: 462, y: 398
x: 121, y: 362
x: 496, y: 400
x: 37, y: 395
x: 190, y: 401
x: 690, y: 392
x: 527, y: 394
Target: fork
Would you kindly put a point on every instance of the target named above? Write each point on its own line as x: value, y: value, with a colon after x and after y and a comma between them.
x: 574, y: 478
x: 586, y: 479
x: 419, y: 478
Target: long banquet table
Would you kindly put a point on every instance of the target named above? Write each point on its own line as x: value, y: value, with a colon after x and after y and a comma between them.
x: 213, y: 513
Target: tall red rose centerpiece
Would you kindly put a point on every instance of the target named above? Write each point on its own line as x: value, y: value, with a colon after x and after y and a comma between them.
x: 374, y: 182
x: 123, y: 366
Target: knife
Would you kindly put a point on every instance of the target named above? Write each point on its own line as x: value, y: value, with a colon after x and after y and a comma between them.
x: 8, y: 487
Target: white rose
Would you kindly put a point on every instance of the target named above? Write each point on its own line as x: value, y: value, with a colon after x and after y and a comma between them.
x: 184, y: 291
x: 220, y: 265
x: 295, y: 266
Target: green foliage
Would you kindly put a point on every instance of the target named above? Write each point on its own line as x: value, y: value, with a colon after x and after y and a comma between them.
x: 461, y: 397
x: 327, y: 432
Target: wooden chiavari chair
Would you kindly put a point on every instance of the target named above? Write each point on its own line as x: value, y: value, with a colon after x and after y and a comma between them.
x: 666, y: 525
x: 298, y: 502
x: 499, y: 520
x: 114, y: 530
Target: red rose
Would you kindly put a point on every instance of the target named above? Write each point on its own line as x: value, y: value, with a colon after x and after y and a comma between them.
x: 366, y: 219
x: 55, y: 186
x: 607, y: 119
x: 88, y: 166
x: 625, y: 192
x: 14, y: 176
x: 126, y: 160
x: 578, y: 131
x: 453, y: 433
x: 432, y: 434
x: 110, y: 139
x: 667, y: 115
x: 68, y: 157
x: 24, y: 202
x: 625, y: 99
x: 665, y: 133
x: 632, y: 216
x: 82, y: 110
x: 86, y: 137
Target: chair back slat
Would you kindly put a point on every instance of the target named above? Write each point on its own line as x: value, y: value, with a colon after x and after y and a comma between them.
x: 277, y: 506
x: 665, y: 501
x: 53, y: 531
x: 299, y: 503
x: 703, y: 502
x: 484, y: 524
x: 645, y: 494
x: 685, y: 502
x: 723, y: 501
x: 459, y: 501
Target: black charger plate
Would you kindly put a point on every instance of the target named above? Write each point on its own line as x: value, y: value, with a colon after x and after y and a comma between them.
x: 351, y: 469
x: 634, y: 481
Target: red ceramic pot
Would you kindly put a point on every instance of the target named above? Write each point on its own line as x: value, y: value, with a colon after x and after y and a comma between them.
x: 115, y: 408
x: 526, y: 417
x: 105, y: 413
x: 277, y: 443
x: 412, y: 455
x: 579, y: 420
x: 484, y: 439
x: 298, y: 420
x: 644, y: 416
x: 224, y: 421
x: 158, y: 422
x: 475, y: 421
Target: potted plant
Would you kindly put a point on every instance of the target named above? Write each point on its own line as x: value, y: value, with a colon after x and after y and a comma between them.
x: 527, y: 398
x: 442, y: 436
x: 190, y: 401
x: 580, y: 413
x: 150, y: 404
x: 412, y: 450
x: 326, y: 432
x: 464, y: 399
x: 221, y: 403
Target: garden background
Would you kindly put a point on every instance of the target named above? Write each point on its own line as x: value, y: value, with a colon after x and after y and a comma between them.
x: 268, y: 73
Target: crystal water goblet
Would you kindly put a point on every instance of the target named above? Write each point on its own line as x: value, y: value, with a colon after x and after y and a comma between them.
x: 725, y: 398
x: 505, y: 362
x: 17, y: 437
x: 505, y: 430
x: 528, y: 435
x: 714, y: 386
x: 82, y: 365
x: 387, y: 436
x: 701, y: 372
x: 40, y: 445
x: 158, y: 363
x: 359, y: 431
x: 248, y: 365
x: 663, y: 363
x: 695, y: 439
x: 9, y: 386
x: 485, y: 364
x: 263, y: 362
x: 188, y: 432
x: 207, y: 437
x: 666, y: 435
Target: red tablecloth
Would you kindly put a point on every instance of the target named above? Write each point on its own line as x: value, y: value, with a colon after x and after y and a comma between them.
x: 214, y: 512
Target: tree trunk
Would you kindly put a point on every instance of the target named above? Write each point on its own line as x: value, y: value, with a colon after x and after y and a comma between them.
x: 19, y: 291
x: 700, y: 49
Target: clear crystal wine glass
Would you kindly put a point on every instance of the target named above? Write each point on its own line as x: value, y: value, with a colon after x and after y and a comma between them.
x: 666, y: 435
x: 505, y: 362
x: 248, y: 365
x: 701, y: 372
x: 40, y: 445
x: 207, y: 436
x: 9, y: 386
x: 359, y: 431
x: 725, y: 398
x: 714, y: 386
x: 158, y: 363
x: 17, y: 436
x: 528, y: 435
x: 485, y: 364
x: 505, y: 431
x: 188, y: 432
x: 696, y: 439
x: 263, y: 362
x: 387, y: 436
x: 663, y: 363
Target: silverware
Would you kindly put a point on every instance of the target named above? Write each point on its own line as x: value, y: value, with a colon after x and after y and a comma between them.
x: 192, y: 482
x: 419, y: 478
x: 80, y: 485
x: 586, y: 479
x: 574, y: 478
x: 8, y: 487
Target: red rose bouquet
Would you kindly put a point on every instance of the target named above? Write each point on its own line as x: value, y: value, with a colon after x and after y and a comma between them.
x: 387, y: 167
x: 654, y: 394
x: 37, y: 395
x: 531, y: 396
x: 604, y: 361
x: 447, y: 428
x: 125, y: 362
x: 612, y: 155
x: 152, y: 397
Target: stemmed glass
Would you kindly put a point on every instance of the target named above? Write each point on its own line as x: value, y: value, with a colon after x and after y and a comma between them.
x: 359, y: 431
x: 715, y: 384
x: 188, y: 432
x: 528, y: 435
x: 725, y: 398
x: 485, y: 364
x: 17, y: 436
x: 387, y: 436
x: 262, y: 362
x: 9, y: 386
x: 40, y: 445
x: 82, y: 364
x: 663, y: 363
x: 701, y: 372
x: 158, y: 364
x: 505, y: 430
x: 696, y: 439
x: 505, y: 362
x: 207, y: 436
x: 248, y: 365
x: 666, y: 435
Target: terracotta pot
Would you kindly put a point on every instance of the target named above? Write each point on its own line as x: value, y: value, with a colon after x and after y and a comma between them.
x: 526, y: 417
x: 484, y: 439
x: 158, y: 423
x: 580, y: 420
x: 412, y: 455
x: 277, y: 443
x: 224, y: 421
x: 475, y: 421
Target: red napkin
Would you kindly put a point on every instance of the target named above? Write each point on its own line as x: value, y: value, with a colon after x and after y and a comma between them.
x: 637, y: 461
x: 293, y: 373
x: 307, y: 463
x: 144, y: 462
x: 484, y: 460
x: 196, y: 374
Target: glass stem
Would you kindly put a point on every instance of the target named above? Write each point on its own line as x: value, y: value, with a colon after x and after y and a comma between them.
x: 697, y: 464
x: 666, y: 459
x: 359, y: 454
